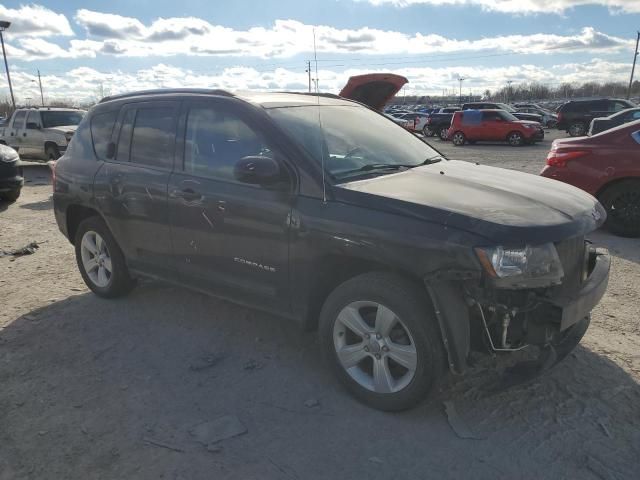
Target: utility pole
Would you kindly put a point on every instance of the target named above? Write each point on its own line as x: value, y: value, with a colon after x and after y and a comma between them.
x: 308, y: 70
x: 40, y: 83
x: 509, y: 82
x: 633, y: 68
x: 461, y: 79
x: 3, y: 26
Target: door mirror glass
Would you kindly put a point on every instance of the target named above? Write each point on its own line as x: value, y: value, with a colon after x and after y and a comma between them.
x: 33, y: 126
x: 257, y: 170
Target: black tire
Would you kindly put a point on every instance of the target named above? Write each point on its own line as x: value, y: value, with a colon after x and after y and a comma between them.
x: 408, y: 301
x: 569, y: 339
x: 442, y: 133
x: 427, y: 132
x: 622, y: 203
x: 577, y: 129
x: 52, y: 152
x: 458, y: 139
x: 120, y: 282
x: 11, y: 195
x: 515, y: 139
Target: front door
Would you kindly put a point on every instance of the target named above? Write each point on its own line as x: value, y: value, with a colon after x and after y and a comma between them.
x: 132, y: 187
x: 228, y: 236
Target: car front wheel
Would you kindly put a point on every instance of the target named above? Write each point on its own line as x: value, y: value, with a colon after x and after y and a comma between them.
x: 443, y: 133
x: 11, y: 195
x: 515, y: 139
x: 381, y: 339
x: 458, y: 139
x: 577, y: 129
x: 100, y: 260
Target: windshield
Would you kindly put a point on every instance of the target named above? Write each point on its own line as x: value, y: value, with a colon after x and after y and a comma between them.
x: 61, y: 118
x: 356, y: 141
x: 505, y: 107
x: 507, y: 116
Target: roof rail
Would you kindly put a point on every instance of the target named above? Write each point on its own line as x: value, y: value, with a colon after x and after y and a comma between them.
x: 325, y: 95
x: 167, y: 91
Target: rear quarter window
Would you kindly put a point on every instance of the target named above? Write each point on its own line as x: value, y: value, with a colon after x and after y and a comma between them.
x: 101, y: 130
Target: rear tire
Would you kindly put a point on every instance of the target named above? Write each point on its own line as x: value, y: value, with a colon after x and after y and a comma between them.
x: 100, y: 260
x: 394, y: 321
x: 622, y: 203
x: 10, y: 196
x: 458, y: 139
x: 442, y: 133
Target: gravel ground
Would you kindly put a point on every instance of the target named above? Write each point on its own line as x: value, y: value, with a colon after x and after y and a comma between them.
x: 145, y: 386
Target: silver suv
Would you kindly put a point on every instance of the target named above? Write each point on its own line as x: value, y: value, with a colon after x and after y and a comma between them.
x: 41, y: 133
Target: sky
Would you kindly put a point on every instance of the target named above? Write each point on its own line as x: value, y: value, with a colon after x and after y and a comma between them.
x: 87, y: 49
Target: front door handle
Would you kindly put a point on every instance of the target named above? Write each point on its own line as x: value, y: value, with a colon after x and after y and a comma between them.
x: 24, y: 134
x: 188, y: 195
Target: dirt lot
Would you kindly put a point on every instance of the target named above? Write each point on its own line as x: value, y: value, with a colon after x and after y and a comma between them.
x: 123, y: 389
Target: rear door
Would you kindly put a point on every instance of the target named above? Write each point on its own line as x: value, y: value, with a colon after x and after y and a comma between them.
x: 228, y: 236
x: 15, y: 138
x: 33, y: 138
x: 132, y: 186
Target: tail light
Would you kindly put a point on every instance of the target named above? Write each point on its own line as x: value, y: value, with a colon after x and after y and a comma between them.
x: 428, y: 120
x: 560, y: 117
x: 558, y: 158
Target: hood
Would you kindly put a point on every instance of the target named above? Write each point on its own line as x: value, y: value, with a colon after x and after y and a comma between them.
x: 527, y: 122
x: 373, y: 89
x: 503, y: 206
x: 63, y: 129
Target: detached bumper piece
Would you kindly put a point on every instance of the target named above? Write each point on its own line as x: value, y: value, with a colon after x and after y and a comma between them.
x: 593, y: 289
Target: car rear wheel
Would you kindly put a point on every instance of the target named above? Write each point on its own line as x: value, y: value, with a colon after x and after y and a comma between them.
x: 11, y: 195
x: 443, y: 133
x: 622, y: 203
x: 381, y: 339
x: 577, y: 129
x: 100, y: 260
x: 515, y: 139
x: 427, y: 132
x: 458, y: 139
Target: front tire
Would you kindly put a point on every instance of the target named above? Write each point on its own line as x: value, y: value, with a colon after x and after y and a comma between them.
x: 577, y: 129
x: 515, y: 139
x: 100, y: 260
x: 443, y: 134
x: 52, y: 152
x: 380, y: 337
x: 10, y: 196
x: 622, y: 203
x: 458, y: 139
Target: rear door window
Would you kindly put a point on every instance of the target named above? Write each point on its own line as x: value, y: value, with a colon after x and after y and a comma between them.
x: 101, y: 130
x: 154, y: 134
x: 18, y: 121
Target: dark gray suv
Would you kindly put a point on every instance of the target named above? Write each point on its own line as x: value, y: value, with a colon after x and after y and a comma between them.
x: 325, y: 211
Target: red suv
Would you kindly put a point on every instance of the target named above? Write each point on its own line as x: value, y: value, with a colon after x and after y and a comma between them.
x: 606, y: 165
x: 492, y: 125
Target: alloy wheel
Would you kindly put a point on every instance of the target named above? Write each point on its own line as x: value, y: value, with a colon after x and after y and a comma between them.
x: 375, y: 347
x: 515, y: 139
x: 96, y: 259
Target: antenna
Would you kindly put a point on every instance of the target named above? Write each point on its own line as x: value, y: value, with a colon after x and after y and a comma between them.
x: 315, y: 58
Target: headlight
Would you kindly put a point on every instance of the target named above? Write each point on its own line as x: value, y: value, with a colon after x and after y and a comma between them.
x: 528, y: 125
x: 531, y: 266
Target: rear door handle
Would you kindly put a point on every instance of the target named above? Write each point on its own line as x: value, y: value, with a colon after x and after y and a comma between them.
x: 24, y: 134
x: 188, y: 194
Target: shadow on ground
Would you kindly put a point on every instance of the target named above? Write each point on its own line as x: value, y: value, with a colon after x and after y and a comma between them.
x: 110, y: 389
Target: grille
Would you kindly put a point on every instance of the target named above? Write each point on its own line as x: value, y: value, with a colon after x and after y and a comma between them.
x: 573, y: 259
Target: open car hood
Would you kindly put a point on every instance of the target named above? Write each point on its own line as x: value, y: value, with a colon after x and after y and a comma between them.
x: 373, y: 89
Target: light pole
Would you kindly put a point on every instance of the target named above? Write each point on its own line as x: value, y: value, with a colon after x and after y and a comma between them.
x: 509, y: 82
x: 461, y: 79
x: 3, y: 26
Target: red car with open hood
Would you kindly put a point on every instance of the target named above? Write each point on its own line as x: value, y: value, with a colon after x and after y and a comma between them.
x: 606, y: 165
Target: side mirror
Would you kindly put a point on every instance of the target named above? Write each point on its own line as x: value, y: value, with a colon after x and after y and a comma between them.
x: 257, y: 170
x: 111, y: 150
x: 33, y: 126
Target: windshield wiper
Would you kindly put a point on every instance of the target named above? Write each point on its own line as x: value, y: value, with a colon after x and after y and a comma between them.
x: 391, y: 166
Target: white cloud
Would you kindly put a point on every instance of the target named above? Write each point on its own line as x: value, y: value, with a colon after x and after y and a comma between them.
x: 82, y: 84
x: 110, y: 34
x: 522, y: 6
x: 35, y: 21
